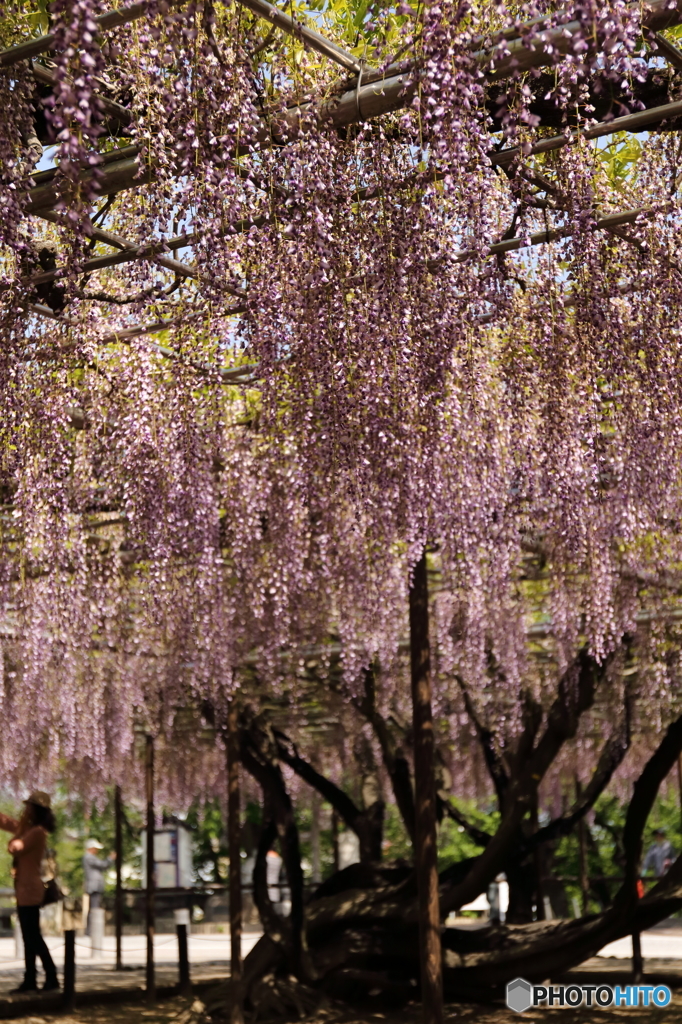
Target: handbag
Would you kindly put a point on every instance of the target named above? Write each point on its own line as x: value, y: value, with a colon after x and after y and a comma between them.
x: 52, y: 893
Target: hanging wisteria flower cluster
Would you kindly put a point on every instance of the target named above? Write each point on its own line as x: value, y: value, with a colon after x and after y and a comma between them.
x: 271, y: 328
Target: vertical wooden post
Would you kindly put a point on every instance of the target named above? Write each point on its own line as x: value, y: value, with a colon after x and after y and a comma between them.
x: 118, y: 910
x: 234, y: 850
x: 149, y: 896
x: 69, y: 969
x: 335, y: 839
x: 425, y: 850
x: 315, y: 838
x: 582, y: 854
x: 537, y: 865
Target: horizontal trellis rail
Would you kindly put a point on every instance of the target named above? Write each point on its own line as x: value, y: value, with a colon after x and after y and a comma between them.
x: 105, y: 22
x: 309, y: 36
x: 517, y: 48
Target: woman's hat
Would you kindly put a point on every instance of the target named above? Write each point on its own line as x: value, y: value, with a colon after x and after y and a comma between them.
x: 39, y: 798
x: 93, y: 844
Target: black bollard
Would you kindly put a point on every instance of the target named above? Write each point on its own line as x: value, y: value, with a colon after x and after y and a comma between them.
x: 637, y: 959
x: 181, y: 927
x: 69, y: 969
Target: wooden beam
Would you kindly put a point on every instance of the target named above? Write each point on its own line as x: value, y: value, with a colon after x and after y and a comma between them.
x: 127, y: 253
x: 113, y: 110
x: 105, y: 22
x: 628, y: 123
x: 243, y: 373
x: 313, y: 40
x: 518, y: 54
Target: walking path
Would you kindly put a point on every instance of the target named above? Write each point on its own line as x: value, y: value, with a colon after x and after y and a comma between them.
x: 659, y: 944
x: 209, y: 957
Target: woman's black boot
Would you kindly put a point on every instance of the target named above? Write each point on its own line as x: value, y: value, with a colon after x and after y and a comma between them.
x: 26, y: 986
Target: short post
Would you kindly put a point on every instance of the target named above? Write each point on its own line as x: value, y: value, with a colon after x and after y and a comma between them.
x: 97, y: 931
x: 18, y: 938
x: 637, y: 961
x: 182, y: 925
x: 69, y: 969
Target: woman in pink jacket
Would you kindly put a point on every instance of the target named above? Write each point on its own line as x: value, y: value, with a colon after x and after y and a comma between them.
x: 28, y: 850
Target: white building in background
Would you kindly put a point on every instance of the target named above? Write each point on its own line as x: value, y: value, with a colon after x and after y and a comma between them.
x: 173, y: 850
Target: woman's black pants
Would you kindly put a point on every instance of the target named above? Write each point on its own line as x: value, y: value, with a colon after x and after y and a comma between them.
x: 34, y: 945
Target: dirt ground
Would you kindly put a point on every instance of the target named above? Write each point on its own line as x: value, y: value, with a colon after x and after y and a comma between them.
x: 178, y: 1011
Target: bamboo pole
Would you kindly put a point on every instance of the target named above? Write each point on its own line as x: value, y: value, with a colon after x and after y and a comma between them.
x: 627, y: 123
x: 129, y: 251
x: 149, y: 894
x: 425, y: 849
x: 118, y: 812
x: 234, y: 849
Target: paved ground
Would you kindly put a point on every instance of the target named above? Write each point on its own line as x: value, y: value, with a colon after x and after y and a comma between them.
x: 658, y: 944
x: 209, y: 957
x: 175, y: 1011
x: 201, y: 948
x: 208, y: 954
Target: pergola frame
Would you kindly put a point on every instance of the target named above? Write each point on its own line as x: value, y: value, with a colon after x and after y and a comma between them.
x: 369, y: 95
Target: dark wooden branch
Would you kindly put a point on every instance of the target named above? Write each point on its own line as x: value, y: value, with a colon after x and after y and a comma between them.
x: 395, y: 762
x: 532, y: 719
x: 577, y: 689
x: 478, y: 835
x: 486, y: 738
x: 613, y: 752
x: 327, y: 789
x: 644, y: 794
x: 257, y: 758
x: 274, y: 926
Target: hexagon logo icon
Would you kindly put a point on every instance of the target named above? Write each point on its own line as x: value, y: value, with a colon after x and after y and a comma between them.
x: 519, y: 995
